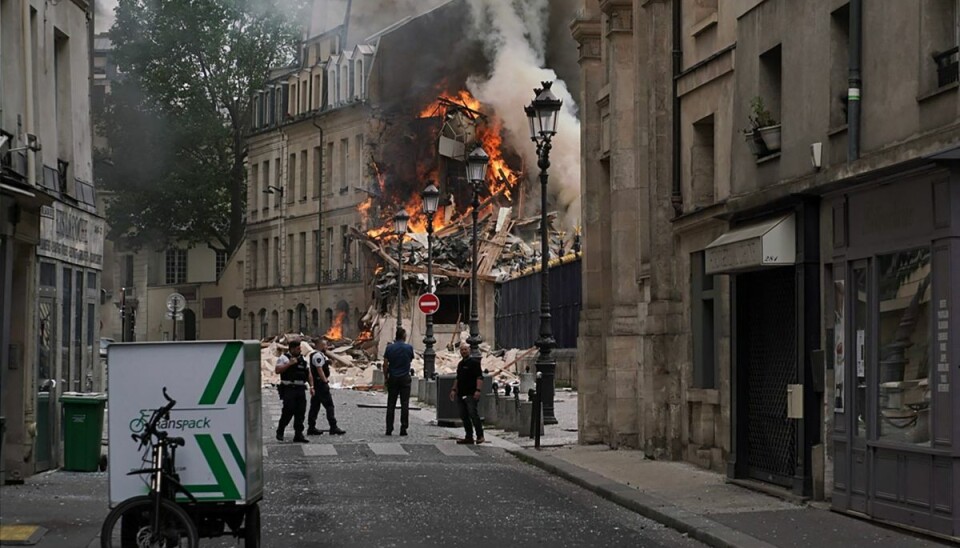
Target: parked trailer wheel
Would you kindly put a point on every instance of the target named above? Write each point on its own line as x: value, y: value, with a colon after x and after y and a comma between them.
x: 251, y: 526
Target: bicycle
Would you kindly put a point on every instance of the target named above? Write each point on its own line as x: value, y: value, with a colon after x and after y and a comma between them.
x: 154, y: 520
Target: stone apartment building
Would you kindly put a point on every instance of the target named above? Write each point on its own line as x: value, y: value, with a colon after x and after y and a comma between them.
x: 137, y: 283
x: 51, y: 237
x: 308, y: 172
x: 776, y: 304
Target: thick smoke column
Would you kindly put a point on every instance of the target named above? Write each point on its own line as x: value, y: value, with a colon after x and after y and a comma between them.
x: 514, y: 34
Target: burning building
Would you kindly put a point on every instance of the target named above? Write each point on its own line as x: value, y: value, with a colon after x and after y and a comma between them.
x: 347, y: 137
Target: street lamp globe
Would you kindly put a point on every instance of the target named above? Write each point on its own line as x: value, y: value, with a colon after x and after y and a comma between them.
x: 547, y: 108
x: 431, y: 199
x: 531, y: 121
x: 477, y: 165
x: 400, y: 221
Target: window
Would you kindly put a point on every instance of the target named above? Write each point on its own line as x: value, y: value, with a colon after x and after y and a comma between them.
x: 289, y: 255
x: 316, y: 256
x: 278, y: 178
x: 292, y: 178
x: 702, y: 181
x: 330, y: 248
x: 317, y: 171
x: 705, y: 319
x: 328, y: 170
x: 361, y: 172
x: 344, y: 163
x: 353, y: 81
x: 255, y: 187
x: 221, y: 261
x: 771, y: 71
x: 63, y: 96
x: 276, y: 261
x: 48, y: 274
x: 254, y: 263
x: 858, y: 350
x: 903, y: 346
x: 361, y: 84
x: 303, y: 174
x: 263, y: 199
x: 345, y: 249
x: 266, y: 262
x: 290, y: 326
x: 938, y: 43
x: 839, y: 65
x: 176, y: 266
x: 303, y: 257
x: 127, y: 271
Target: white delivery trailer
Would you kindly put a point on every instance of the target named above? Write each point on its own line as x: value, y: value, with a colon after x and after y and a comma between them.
x: 217, y: 388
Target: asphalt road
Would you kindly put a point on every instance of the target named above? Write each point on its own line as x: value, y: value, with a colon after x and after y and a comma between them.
x: 367, y: 489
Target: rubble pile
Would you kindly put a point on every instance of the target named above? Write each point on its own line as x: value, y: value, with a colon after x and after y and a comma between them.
x: 353, y: 362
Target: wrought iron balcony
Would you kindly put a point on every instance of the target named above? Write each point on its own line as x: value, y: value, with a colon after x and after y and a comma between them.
x: 947, y: 66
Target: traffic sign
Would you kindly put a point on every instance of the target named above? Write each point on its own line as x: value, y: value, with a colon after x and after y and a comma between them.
x: 176, y: 302
x: 428, y: 303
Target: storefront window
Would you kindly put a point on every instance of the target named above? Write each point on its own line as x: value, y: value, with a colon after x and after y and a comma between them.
x: 904, y: 335
x: 859, y: 351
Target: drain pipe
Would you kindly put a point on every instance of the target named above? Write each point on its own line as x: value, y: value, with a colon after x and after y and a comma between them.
x: 27, y: 58
x: 853, y: 93
x: 676, y: 196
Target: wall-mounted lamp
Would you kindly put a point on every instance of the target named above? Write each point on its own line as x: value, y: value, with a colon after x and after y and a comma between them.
x: 816, y: 155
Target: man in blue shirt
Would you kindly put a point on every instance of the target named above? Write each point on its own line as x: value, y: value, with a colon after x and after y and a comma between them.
x: 396, y: 369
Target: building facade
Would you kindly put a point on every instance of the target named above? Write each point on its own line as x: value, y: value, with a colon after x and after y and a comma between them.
x: 52, y: 236
x: 308, y: 173
x: 801, y: 267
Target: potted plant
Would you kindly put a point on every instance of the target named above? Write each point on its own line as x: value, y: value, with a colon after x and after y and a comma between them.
x: 764, y: 126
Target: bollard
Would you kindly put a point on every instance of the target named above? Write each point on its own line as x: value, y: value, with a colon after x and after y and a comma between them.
x: 537, y: 423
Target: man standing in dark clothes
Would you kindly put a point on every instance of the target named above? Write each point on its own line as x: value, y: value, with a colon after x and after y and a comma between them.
x: 320, y: 369
x: 294, y: 379
x: 396, y: 369
x: 467, y: 390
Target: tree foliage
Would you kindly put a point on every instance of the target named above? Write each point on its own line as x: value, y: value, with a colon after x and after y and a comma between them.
x: 177, y: 120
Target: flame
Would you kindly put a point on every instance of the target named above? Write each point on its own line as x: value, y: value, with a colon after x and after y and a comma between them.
x: 336, y: 330
x: 500, y: 178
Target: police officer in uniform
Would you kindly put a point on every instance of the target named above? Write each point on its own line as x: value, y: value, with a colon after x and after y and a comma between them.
x: 295, y: 377
x: 320, y: 368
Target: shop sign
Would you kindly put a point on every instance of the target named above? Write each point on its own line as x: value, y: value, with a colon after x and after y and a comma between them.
x: 71, y: 235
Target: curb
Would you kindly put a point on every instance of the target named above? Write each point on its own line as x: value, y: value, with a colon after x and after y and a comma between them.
x: 696, y: 526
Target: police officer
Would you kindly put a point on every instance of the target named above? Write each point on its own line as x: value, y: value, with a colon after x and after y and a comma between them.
x: 294, y: 379
x: 320, y: 369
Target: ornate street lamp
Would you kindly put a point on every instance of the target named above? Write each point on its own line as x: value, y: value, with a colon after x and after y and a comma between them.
x: 431, y: 199
x: 476, y: 174
x: 542, y: 116
x: 400, y: 228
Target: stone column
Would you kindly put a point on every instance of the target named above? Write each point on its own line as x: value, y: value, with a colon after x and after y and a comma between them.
x: 591, y: 357
x: 624, y: 325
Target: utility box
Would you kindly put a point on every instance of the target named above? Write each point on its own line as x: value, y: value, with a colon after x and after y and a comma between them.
x: 216, y: 385
x: 448, y: 412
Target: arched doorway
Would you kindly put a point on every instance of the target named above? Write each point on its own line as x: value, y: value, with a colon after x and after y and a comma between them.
x: 189, y: 325
x: 315, y: 322
x: 253, y: 325
x: 263, y: 324
x: 302, y: 318
x: 274, y: 323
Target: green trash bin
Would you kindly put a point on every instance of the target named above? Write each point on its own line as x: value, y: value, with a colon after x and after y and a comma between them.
x: 82, y: 429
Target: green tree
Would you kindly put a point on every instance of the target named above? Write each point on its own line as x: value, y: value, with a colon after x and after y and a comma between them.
x: 177, y: 121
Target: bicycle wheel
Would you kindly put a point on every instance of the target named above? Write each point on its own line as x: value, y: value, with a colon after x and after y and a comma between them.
x: 129, y: 526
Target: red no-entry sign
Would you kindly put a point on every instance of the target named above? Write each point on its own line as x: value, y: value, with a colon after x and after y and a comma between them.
x: 428, y: 303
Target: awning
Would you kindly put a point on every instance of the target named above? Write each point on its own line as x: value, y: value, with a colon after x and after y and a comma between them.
x: 14, y: 190
x: 749, y: 247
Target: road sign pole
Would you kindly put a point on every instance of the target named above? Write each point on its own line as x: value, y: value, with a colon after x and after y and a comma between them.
x: 174, y: 326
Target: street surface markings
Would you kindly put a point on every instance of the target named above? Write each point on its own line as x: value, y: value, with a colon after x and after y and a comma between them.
x: 453, y: 450
x: 319, y: 450
x: 21, y: 535
x: 387, y: 449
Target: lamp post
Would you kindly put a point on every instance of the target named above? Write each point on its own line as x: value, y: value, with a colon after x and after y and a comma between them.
x: 476, y: 173
x: 542, y: 115
x: 400, y: 228
x: 431, y: 199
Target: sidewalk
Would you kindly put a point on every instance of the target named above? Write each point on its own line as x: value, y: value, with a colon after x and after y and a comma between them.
x: 701, y: 503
